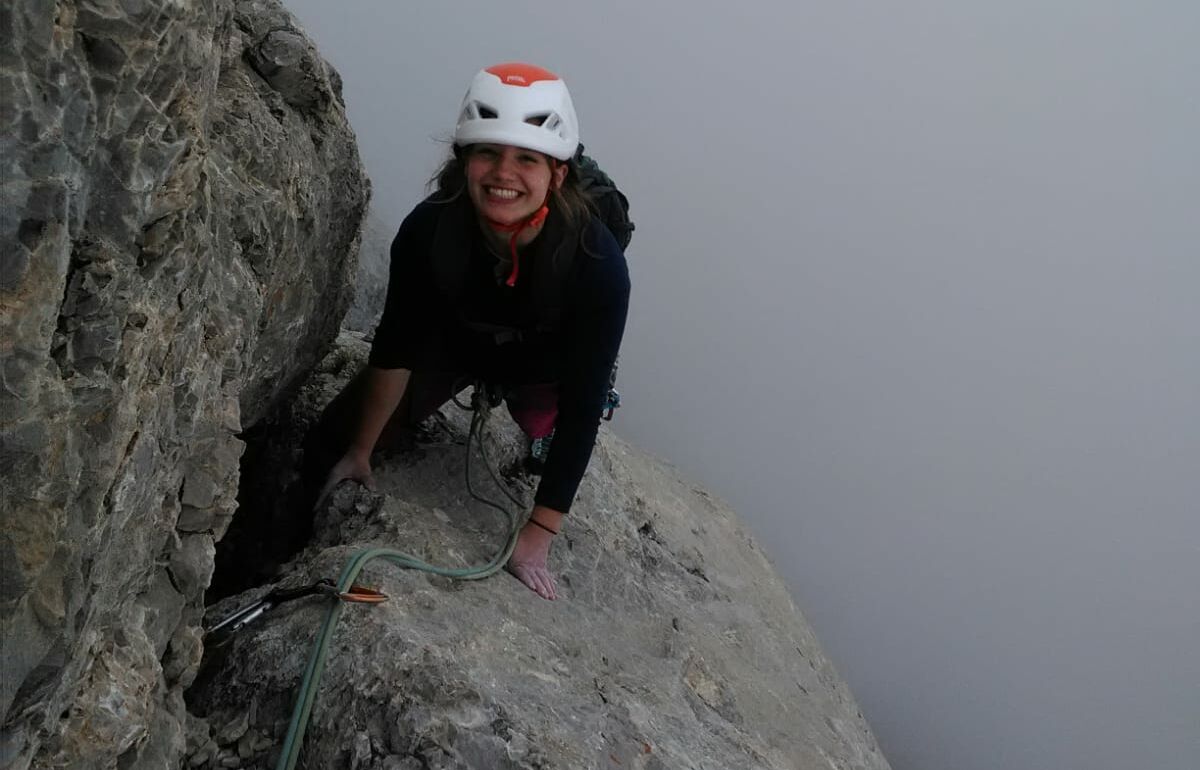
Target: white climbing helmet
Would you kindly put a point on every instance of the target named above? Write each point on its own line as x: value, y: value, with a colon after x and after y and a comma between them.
x: 521, y: 105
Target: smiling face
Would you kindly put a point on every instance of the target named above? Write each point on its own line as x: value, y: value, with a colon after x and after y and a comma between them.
x: 508, y: 184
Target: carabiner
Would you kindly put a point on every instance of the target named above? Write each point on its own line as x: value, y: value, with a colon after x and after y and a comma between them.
x: 612, y: 402
x: 221, y: 632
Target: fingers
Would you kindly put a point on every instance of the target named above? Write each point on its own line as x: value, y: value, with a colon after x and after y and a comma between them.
x: 528, y: 561
x: 545, y: 584
x: 537, y: 579
x: 345, y: 469
x: 331, y: 484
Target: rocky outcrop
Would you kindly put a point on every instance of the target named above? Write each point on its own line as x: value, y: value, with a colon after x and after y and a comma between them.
x: 674, y: 644
x: 182, y: 198
x: 370, y: 285
x: 182, y: 201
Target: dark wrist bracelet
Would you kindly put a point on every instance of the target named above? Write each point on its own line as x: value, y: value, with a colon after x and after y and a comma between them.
x: 543, y: 526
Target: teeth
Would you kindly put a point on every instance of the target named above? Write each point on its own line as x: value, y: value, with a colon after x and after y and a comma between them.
x: 500, y: 192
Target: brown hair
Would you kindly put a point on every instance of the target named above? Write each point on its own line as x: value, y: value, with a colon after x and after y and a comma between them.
x: 576, y: 208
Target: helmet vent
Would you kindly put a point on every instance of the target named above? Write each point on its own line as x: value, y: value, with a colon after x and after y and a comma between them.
x: 547, y: 120
x: 474, y: 110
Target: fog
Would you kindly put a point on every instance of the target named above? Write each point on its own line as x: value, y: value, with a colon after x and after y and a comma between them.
x: 915, y: 289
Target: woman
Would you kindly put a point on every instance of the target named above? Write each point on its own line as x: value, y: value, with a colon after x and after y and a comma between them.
x: 503, y: 274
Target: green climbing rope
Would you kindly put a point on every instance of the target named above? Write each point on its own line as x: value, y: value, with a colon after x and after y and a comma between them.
x: 316, y: 661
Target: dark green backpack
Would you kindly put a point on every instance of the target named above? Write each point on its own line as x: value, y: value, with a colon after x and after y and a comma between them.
x: 613, y: 209
x: 611, y: 204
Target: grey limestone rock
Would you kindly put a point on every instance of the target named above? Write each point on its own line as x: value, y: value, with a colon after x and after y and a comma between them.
x: 181, y: 205
x: 674, y: 643
x: 374, y: 258
x: 181, y: 209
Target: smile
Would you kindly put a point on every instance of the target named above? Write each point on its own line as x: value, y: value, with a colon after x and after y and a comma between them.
x: 502, y: 192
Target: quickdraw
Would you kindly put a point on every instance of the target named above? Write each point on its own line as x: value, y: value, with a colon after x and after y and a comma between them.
x: 221, y: 632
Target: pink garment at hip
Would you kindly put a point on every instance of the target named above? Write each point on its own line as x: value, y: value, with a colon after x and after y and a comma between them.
x: 535, y: 408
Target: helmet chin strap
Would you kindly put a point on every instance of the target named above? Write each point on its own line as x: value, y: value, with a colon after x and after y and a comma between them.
x: 516, y: 228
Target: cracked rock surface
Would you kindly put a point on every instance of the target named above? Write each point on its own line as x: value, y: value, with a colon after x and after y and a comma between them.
x: 181, y: 210
x: 674, y: 644
x: 182, y: 198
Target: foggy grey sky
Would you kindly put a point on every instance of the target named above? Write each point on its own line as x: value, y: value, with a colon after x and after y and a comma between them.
x: 915, y: 288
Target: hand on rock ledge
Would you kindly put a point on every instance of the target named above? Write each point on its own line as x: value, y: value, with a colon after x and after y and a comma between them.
x: 528, y: 560
x: 352, y: 466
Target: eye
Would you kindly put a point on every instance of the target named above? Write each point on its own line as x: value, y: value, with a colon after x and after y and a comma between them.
x: 528, y: 159
x: 484, y: 151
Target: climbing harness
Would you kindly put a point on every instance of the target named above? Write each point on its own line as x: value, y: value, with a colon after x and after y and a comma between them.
x: 483, y: 400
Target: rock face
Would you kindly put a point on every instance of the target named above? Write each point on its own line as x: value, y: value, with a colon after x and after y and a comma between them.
x: 673, y: 644
x: 182, y: 201
x: 374, y: 257
x: 182, y: 198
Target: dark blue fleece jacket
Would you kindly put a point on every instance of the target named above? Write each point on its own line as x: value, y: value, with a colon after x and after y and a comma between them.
x: 447, y: 306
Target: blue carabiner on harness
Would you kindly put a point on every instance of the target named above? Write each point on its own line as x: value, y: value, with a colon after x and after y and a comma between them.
x: 612, y: 402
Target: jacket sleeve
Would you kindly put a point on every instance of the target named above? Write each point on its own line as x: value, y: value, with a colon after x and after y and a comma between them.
x: 592, y: 338
x: 405, y: 311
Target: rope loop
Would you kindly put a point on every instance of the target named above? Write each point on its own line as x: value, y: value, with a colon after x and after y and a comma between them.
x: 483, y: 400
